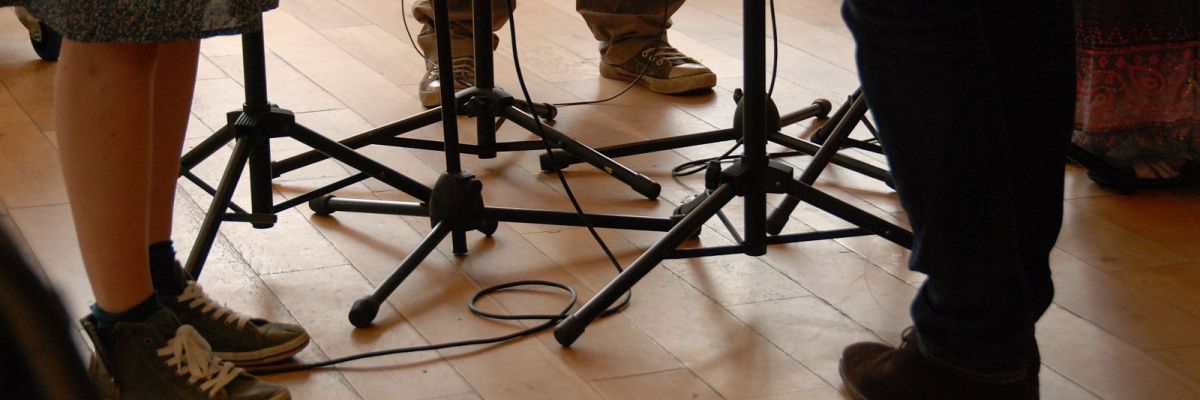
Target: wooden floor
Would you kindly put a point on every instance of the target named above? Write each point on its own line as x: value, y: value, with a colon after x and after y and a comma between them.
x: 1125, y: 324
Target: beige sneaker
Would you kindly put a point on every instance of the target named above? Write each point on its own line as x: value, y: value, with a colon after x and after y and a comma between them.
x: 430, y: 89
x: 667, y: 71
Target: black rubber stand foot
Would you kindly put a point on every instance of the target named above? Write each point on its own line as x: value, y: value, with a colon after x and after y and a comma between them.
x: 489, y: 227
x: 320, y: 205
x: 825, y: 106
x: 363, y: 312
x: 568, y: 330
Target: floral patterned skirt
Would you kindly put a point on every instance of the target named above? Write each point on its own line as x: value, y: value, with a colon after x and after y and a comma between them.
x: 147, y: 21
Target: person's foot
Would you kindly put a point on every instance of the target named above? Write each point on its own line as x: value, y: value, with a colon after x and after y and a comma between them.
x: 430, y: 89
x: 233, y: 337
x: 667, y: 70
x: 1156, y: 174
x: 873, y: 371
x: 1158, y: 169
x: 162, y: 359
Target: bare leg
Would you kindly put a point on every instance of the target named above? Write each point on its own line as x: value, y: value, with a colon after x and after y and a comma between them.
x: 175, y: 78
x: 102, y: 105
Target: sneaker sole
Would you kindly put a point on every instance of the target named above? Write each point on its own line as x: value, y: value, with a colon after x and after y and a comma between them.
x: 849, y: 389
x: 682, y: 84
x: 268, y: 355
x: 108, y: 389
x: 284, y: 395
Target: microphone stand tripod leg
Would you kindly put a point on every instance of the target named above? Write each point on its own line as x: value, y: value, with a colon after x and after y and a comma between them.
x: 570, y: 328
x: 363, y: 312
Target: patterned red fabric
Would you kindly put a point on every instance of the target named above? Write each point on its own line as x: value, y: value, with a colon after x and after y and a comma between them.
x: 1138, y: 72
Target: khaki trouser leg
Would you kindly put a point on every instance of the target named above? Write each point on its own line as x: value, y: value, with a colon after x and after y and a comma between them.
x: 625, y: 27
x: 460, y: 25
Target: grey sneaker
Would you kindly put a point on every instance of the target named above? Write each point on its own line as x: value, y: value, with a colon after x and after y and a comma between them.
x: 161, y: 359
x: 234, y: 337
x: 430, y: 89
x: 667, y: 71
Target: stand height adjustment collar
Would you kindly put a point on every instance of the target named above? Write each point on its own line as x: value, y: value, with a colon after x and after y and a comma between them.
x: 271, y: 122
x: 484, y: 103
x: 457, y: 201
x: 774, y: 178
x: 771, y: 124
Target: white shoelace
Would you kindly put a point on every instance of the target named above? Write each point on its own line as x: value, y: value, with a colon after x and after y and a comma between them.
x: 464, y: 71
x: 195, y: 297
x: 668, y: 54
x: 191, y: 357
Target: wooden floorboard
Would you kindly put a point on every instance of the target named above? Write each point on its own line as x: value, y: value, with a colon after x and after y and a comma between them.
x: 1125, y: 324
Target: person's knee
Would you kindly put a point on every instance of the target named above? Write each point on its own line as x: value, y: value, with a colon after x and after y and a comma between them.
x: 109, y: 58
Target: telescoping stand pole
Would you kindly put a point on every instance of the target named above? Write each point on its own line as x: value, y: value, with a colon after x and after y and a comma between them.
x: 752, y: 177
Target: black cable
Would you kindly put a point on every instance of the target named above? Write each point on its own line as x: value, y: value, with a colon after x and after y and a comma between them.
x: 695, y: 166
x: 658, y: 42
x: 403, y: 8
x: 551, y: 319
x: 558, y: 170
x: 774, y: 52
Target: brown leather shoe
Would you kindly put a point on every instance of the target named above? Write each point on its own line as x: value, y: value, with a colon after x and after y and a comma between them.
x: 872, y: 371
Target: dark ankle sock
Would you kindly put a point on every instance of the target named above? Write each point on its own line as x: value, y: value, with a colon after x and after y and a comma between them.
x: 106, y: 321
x: 168, y: 278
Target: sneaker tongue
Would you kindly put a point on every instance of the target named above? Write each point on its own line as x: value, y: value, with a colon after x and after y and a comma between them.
x: 173, y: 281
x: 164, y: 321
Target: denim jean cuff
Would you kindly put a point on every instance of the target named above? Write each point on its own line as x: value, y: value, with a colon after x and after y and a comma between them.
x: 948, y: 360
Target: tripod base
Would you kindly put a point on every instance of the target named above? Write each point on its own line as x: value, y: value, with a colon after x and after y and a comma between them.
x: 455, y: 207
x: 738, y: 180
x: 251, y: 129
